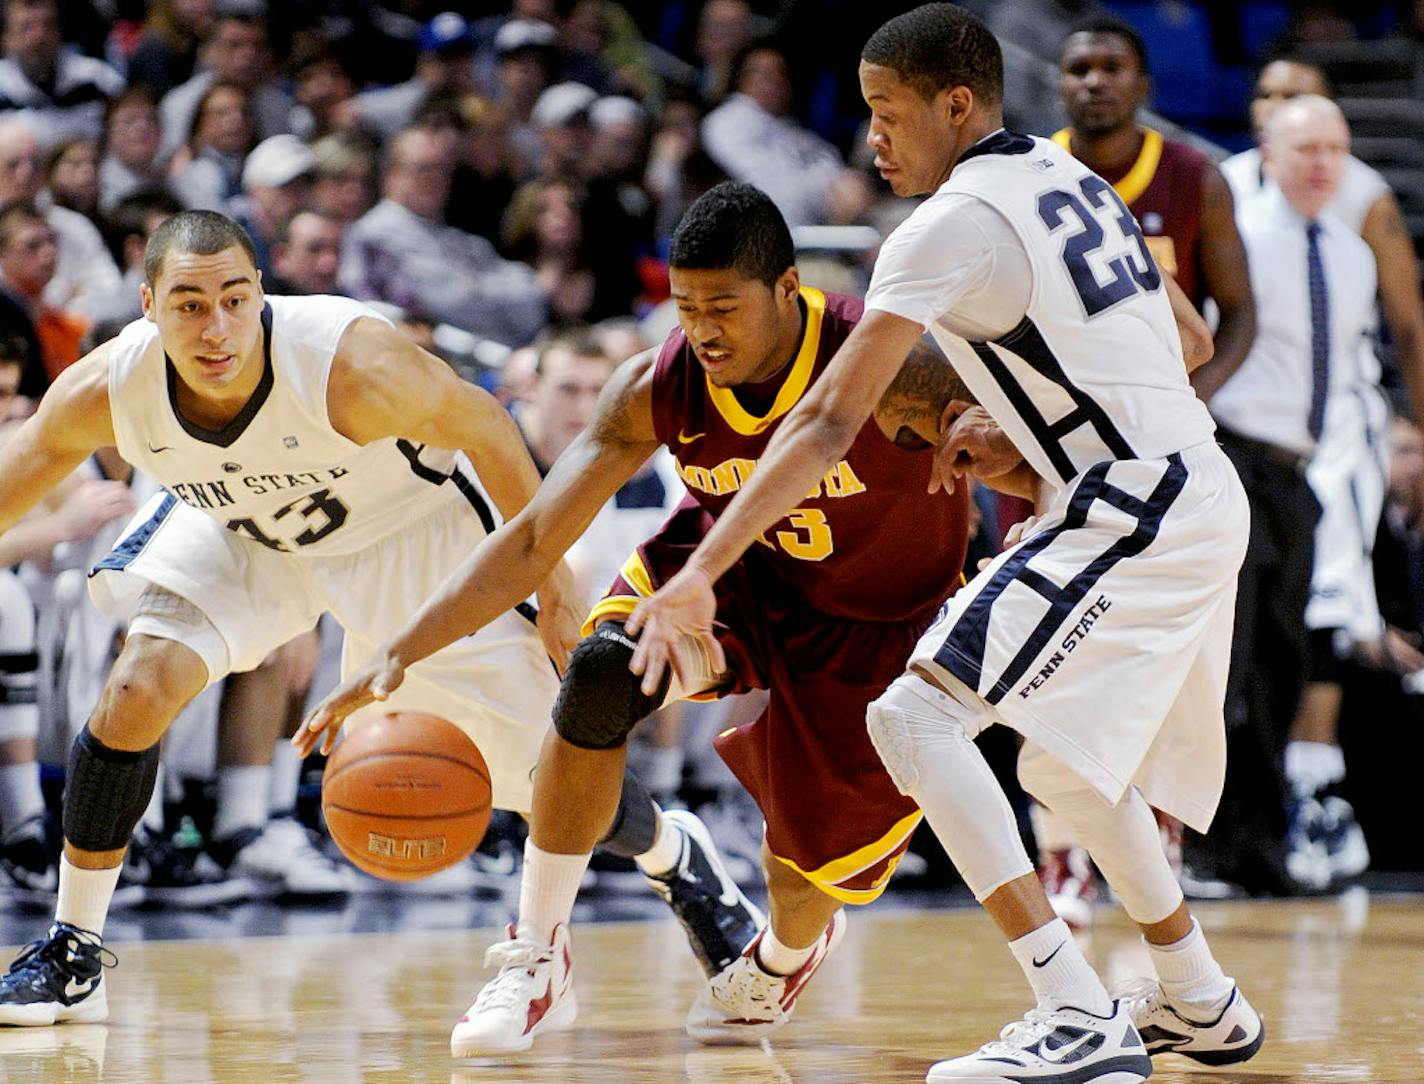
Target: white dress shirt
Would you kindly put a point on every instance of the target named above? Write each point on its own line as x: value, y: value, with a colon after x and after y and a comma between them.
x: 1360, y: 186
x: 1269, y: 397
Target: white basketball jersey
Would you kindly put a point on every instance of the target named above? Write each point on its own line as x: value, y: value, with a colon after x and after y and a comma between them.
x: 1094, y: 370
x: 279, y: 473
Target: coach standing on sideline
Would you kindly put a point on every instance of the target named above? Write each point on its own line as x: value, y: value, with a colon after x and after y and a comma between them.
x: 1314, y: 283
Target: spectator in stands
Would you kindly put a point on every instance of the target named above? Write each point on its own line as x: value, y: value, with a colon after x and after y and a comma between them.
x: 445, y: 67
x: 237, y: 52
x: 131, y: 137
x: 485, y: 168
x: 603, y: 29
x: 403, y: 252
x: 57, y: 91
x: 168, y: 50
x: 724, y: 29
x: 28, y: 257
x: 85, y: 274
x: 307, y: 256
x: 128, y: 226
x: 679, y: 168
x: 323, y: 85
x: 753, y: 137
x: 345, y: 182
x: 547, y: 227
x: 526, y: 52
x: 73, y: 175
x: 207, y: 172
x: 276, y: 183
x: 1032, y: 34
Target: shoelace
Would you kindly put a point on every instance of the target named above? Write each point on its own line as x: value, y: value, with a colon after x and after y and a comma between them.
x: 516, y: 961
x: 53, y: 950
x: 1020, y: 1034
x: 747, y: 988
x: 1136, y: 992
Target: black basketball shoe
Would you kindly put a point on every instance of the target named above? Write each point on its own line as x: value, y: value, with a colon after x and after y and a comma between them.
x: 719, y: 920
x: 57, y: 980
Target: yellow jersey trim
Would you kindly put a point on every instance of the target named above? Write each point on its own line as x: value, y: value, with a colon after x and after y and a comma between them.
x: 829, y: 876
x: 743, y: 421
x: 1136, y: 180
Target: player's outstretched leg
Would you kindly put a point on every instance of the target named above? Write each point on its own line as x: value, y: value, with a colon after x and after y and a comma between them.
x: 112, y: 766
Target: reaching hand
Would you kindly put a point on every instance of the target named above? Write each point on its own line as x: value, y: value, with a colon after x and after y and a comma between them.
x: 685, y: 606
x: 1013, y: 536
x: 971, y: 443
x: 91, y: 506
x: 561, y: 614
x: 375, y: 681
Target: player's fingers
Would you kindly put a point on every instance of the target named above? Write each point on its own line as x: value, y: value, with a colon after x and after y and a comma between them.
x: 715, y: 652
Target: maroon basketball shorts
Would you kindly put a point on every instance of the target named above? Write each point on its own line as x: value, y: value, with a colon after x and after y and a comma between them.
x: 832, y: 812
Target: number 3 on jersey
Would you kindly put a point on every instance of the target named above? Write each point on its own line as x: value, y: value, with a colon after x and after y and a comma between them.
x: 1099, y: 207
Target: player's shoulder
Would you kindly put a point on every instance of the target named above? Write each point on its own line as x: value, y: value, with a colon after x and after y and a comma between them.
x: 316, y: 320
x: 1179, y: 154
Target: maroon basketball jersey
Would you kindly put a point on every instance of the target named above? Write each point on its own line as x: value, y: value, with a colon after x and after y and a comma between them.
x: 869, y: 544
x: 1162, y: 187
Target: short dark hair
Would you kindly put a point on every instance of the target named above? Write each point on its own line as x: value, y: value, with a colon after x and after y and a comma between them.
x: 14, y: 350
x: 1285, y: 54
x: 938, y: 46
x: 202, y: 233
x: 1118, y: 28
x: 734, y: 226
x: 129, y: 218
x: 15, y: 216
x: 580, y: 340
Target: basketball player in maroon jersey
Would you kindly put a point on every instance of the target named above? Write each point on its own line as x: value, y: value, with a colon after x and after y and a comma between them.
x: 823, y: 614
x: 1175, y: 192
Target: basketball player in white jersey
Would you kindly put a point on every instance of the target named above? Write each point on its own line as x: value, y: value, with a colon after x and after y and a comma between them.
x: 313, y: 460
x: 1102, y: 637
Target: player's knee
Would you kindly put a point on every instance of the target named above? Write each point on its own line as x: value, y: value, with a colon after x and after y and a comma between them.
x: 902, y: 719
x: 105, y: 793
x: 600, y: 699
x: 151, y: 681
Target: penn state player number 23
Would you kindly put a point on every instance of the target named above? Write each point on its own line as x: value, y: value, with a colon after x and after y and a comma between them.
x: 1092, y: 205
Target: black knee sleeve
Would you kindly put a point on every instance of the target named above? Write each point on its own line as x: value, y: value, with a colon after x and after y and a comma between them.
x: 600, y: 699
x: 106, y: 793
x: 635, y: 825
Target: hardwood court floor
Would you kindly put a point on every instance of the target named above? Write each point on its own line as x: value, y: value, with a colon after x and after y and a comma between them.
x: 1341, y: 984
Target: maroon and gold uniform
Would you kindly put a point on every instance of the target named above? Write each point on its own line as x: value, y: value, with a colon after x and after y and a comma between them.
x: 823, y: 612
x: 1162, y: 188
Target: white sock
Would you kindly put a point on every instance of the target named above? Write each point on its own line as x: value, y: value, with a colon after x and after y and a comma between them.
x: 548, y: 889
x: 242, y: 799
x: 20, y: 796
x: 666, y: 852
x: 1057, y: 971
x: 84, y: 896
x: 286, y: 778
x: 152, y: 818
x: 776, y: 958
x: 1191, y: 977
x: 1312, y: 766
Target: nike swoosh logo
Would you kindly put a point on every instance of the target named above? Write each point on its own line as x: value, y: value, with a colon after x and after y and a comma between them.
x: 164, y: 448
x: 1058, y: 1054
x: 1044, y: 962
x: 73, y: 988
x: 683, y: 438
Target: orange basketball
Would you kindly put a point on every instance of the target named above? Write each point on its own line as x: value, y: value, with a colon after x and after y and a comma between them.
x: 406, y: 795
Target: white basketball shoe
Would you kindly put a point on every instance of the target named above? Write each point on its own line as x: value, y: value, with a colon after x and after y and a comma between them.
x: 1055, y: 1046
x: 532, y: 994
x: 1235, y: 1035
x: 743, y: 1004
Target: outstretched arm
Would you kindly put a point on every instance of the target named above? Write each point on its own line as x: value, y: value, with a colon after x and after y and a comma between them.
x: 1384, y: 231
x: 808, y: 442
x: 507, y: 566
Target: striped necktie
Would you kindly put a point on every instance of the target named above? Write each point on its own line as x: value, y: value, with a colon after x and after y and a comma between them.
x: 1319, y: 331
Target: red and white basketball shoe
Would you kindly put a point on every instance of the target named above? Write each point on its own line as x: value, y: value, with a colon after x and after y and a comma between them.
x: 1070, y: 884
x: 532, y: 994
x: 743, y: 1004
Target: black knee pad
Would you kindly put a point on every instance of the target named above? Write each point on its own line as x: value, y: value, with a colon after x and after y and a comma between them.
x: 600, y: 699
x: 635, y: 825
x: 106, y: 792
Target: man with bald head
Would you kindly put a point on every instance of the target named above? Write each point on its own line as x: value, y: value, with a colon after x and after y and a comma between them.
x: 403, y: 252
x: 86, y: 277
x: 1314, y: 283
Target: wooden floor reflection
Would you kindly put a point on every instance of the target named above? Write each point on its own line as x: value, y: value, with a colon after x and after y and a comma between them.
x: 1341, y: 984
